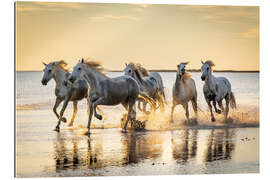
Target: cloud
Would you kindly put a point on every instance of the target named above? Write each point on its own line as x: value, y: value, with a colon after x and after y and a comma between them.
x: 46, y: 6
x: 112, y: 17
x: 226, y: 14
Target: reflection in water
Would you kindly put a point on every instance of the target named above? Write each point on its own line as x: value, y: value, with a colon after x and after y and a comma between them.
x: 135, y: 148
x: 99, y: 151
x: 184, y: 145
x: 220, y: 145
x: 143, y: 146
x: 73, y: 157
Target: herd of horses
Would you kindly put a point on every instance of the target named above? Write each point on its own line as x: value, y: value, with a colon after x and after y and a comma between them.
x: 88, y: 81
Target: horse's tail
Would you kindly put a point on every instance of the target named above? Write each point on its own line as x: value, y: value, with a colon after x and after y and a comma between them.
x: 163, y: 95
x: 232, y: 101
x: 148, y: 99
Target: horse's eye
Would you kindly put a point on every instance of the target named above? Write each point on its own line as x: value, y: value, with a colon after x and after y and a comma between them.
x: 129, y: 71
x: 50, y: 70
x: 207, y: 68
x: 79, y: 69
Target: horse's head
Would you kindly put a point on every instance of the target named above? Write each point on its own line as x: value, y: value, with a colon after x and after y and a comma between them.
x: 77, y: 72
x: 130, y: 69
x: 206, y: 69
x: 181, y: 69
x: 48, y: 73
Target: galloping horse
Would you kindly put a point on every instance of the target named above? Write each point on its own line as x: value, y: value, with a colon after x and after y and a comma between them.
x: 184, y: 90
x: 161, y: 92
x: 216, y: 89
x: 64, y: 90
x: 151, y: 85
x: 107, y: 91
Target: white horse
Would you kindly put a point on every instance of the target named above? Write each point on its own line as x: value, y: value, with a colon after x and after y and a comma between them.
x: 216, y: 89
x: 184, y: 90
x: 64, y: 90
x: 108, y: 91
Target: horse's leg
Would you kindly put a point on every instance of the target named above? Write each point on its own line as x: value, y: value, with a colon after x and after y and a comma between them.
x: 210, y: 108
x: 186, y: 109
x: 221, y: 105
x: 90, y: 117
x: 161, y: 102
x: 172, y: 110
x: 75, y: 110
x: 88, y: 105
x: 131, y: 103
x: 139, y: 105
x: 215, y: 106
x: 61, y: 118
x: 195, y: 106
x: 144, y: 107
x: 227, y: 99
x: 63, y: 110
x: 57, y: 103
x: 97, y: 102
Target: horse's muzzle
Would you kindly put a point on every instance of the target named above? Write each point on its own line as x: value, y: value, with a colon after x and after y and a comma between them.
x: 43, y: 82
x: 71, y: 79
x: 203, y: 78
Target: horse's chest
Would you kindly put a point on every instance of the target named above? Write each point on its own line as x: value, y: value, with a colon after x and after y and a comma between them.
x: 210, y: 95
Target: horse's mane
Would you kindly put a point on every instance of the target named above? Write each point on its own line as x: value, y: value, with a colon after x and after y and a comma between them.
x: 135, y: 68
x: 95, y: 65
x: 142, y: 69
x: 60, y: 64
x: 210, y: 63
x: 186, y: 76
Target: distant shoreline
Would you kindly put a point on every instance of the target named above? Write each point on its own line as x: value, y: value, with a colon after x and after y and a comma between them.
x: 189, y: 70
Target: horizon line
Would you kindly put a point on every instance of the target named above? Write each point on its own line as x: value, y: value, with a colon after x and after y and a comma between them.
x: 161, y: 70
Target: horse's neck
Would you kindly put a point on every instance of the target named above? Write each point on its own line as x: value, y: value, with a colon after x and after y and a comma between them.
x: 139, y: 78
x: 178, y: 82
x: 210, y: 81
x: 59, y: 77
x: 93, y: 77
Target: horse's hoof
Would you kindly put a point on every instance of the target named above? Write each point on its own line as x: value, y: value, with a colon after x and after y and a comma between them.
x: 87, y: 133
x: 218, y: 111
x: 213, y: 119
x: 70, y: 124
x: 124, y: 131
x: 99, y: 117
x: 57, y: 129
x: 63, y: 119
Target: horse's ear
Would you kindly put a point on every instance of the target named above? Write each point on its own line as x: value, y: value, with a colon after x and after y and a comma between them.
x: 44, y: 63
x: 82, y: 60
x: 202, y: 62
x: 185, y: 63
x: 126, y: 64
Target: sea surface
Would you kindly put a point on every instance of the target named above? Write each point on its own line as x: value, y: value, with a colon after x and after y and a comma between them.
x: 163, y: 148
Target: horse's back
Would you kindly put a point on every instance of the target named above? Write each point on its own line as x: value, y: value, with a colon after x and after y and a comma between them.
x: 122, y: 85
x: 158, y: 77
x: 224, y: 81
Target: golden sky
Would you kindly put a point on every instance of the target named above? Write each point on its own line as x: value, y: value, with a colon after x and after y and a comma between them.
x: 157, y: 36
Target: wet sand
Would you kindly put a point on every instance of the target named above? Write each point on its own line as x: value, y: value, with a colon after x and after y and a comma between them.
x: 197, y: 149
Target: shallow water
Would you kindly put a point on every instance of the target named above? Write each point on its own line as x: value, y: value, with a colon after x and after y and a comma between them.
x: 43, y: 152
x: 164, y: 148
